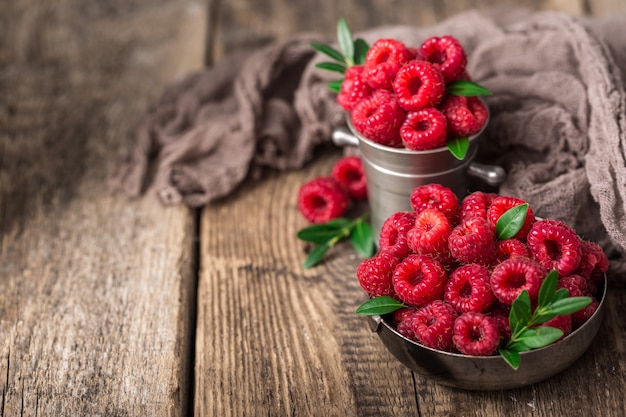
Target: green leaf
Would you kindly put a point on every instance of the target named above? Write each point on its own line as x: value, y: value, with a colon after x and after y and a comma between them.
x: 541, y: 336
x: 362, y: 239
x: 568, y: 305
x: 334, y: 86
x: 547, y: 289
x: 328, y: 51
x: 316, y: 255
x: 344, y: 38
x: 331, y: 66
x: 360, y: 51
x: 379, y: 305
x: 458, y: 147
x: 560, y: 294
x: 320, y: 233
x: 511, y: 221
x: 511, y: 357
x: 518, y: 346
x: 520, y: 313
x: 466, y: 88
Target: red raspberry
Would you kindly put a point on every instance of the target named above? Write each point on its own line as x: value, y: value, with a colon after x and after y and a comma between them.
x: 468, y: 289
x: 423, y: 130
x: 402, y: 320
x: 348, y: 171
x: 379, y: 118
x: 322, y: 199
x: 393, y: 233
x: 353, y: 88
x: 581, y: 316
x: 593, y: 261
x: 563, y: 323
x: 511, y: 277
x: 382, y: 62
x: 419, y: 279
x: 500, y: 313
x: 433, y: 325
x: 476, y: 204
x: 473, y: 242
x: 555, y: 246
x: 576, y: 285
x: 438, y: 197
x: 418, y: 85
x: 500, y: 205
x: 465, y: 115
x: 429, y: 235
x: 447, y: 53
x: 375, y: 274
x: 510, y: 248
x: 476, y: 334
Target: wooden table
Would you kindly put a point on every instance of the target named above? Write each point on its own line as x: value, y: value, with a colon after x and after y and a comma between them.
x: 118, y: 307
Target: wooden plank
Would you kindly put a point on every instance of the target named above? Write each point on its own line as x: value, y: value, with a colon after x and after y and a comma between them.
x: 274, y: 339
x: 243, y: 24
x: 96, y: 291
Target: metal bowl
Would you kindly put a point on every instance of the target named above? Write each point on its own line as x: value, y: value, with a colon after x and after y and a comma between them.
x: 490, y: 372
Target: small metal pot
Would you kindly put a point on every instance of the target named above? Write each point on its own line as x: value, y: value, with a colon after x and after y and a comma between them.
x: 393, y: 173
x: 490, y: 373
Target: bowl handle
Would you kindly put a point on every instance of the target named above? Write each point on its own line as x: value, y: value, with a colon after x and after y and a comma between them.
x: 343, y: 137
x: 491, y: 174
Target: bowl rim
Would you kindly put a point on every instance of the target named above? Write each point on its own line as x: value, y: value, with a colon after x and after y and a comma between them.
x: 379, y: 320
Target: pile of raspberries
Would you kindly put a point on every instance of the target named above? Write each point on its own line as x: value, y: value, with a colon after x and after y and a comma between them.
x: 458, y: 281
x: 398, y: 98
x: 327, y: 197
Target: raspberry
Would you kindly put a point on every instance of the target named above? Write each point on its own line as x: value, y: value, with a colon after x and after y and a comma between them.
x: 375, y: 274
x: 417, y: 85
x: 393, y: 233
x: 433, y: 325
x: 423, y: 130
x: 476, y: 334
x: 468, y: 289
x: 382, y: 62
x: 353, y: 88
x: 593, y: 261
x: 511, y: 277
x: 500, y: 313
x: 402, y: 319
x: 379, y: 118
x: 576, y: 285
x: 555, y: 246
x: 581, y: 316
x: 465, y: 115
x: 510, y: 248
x: 500, y: 205
x: 563, y: 323
x: 447, y: 53
x: 476, y: 204
x: 419, y: 279
x: 429, y: 235
x: 473, y: 242
x: 438, y: 197
x: 322, y: 199
x: 348, y: 171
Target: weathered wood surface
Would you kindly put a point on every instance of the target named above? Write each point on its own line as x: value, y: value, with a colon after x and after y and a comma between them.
x: 96, y: 291
x: 274, y: 339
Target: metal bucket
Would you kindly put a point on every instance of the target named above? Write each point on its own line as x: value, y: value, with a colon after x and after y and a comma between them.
x: 393, y: 173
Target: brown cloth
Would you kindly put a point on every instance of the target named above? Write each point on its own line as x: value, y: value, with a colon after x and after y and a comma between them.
x: 558, y: 116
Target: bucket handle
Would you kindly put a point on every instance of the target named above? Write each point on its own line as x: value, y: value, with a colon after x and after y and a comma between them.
x: 491, y: 174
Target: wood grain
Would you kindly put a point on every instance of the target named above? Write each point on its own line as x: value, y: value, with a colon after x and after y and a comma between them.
x: 96, y: 291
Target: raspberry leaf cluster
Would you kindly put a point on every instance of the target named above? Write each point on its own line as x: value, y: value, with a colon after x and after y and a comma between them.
x: 526, y: 332
x: 326, y: 235
x: 351, y: 52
